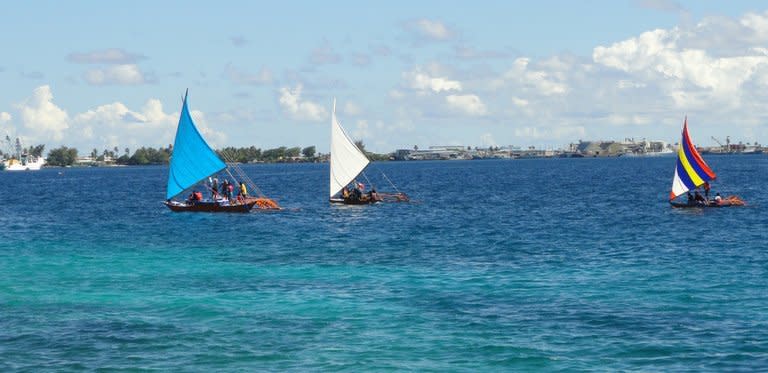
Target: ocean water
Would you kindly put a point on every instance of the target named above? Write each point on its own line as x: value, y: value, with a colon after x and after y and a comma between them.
x: 524, y: 265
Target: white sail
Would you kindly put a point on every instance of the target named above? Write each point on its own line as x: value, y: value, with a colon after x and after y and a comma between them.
x: 347, y: 161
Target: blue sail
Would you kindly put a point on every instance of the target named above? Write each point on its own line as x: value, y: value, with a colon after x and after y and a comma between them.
x: 192, y: 159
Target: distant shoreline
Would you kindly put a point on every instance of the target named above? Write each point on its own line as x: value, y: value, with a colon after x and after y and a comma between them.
x: 82, y: 166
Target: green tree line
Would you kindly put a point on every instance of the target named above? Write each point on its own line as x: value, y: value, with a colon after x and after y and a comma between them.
x: 66, y: 156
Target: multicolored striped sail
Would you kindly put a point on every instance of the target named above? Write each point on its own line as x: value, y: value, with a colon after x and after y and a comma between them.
x: 691, y: 171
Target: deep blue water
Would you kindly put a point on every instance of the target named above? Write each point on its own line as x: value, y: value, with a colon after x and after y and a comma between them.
x: 565, y: 264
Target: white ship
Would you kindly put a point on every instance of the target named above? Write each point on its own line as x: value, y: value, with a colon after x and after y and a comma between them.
x: 25, y: 163
x: 20, y: 160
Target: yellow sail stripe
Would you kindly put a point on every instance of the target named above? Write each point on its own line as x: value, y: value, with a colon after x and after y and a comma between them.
x: 687, y: 166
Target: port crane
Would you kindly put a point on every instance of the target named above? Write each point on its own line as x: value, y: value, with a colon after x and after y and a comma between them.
x: 727, y: 145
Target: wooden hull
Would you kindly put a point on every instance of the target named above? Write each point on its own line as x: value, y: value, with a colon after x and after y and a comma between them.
x: 209, y: 207
x: 365, y: 200
x: 730, y: 201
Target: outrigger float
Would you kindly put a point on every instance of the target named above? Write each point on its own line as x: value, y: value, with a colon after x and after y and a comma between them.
x: 193, y: 161
x: 691, y: 172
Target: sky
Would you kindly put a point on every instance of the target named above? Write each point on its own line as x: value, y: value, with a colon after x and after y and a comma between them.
x: 491, y: 73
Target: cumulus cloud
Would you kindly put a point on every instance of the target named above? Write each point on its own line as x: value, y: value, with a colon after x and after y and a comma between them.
x: 235, y: 75
x: 40, y: 115
x: 298, y: 108
x: 102, y: 127
x: 521, y: 102
x: 543, y: 81
x: 422, y: 81
x: 467, y: 104
x: 112, y: 56
x: 116, y: 75
x: 690, y: 75
x: 429, y: 30
x: 116, y: 125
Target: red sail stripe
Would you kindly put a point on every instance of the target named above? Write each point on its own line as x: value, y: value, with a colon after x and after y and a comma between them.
x: 697, y: 157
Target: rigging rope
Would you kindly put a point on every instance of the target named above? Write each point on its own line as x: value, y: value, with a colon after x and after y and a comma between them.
x: 231, y: 164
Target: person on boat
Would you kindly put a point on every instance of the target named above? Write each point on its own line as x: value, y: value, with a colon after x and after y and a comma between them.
x: 243, y: 190
x: 700, y: 200
x: 195, y: 197
x: 345, y: 193
x: 225, y: 189
x: 718, y: 199
x: 356, y: 193
x: 215, y: 188
x: 373, y: 195
x: 706, y: 190
x: 690, y: 199
x: 230, y: 190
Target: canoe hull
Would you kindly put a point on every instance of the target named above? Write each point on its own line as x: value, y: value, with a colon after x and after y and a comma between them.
x: 366, y: 200
x: 209, y: 207
x: 730, y: 201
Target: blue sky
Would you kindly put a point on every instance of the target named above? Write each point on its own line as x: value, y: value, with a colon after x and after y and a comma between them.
x: 547, y: 73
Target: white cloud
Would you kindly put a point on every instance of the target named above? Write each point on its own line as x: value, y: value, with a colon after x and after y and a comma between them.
x: 427, y: 29
x: 395, y: 94
x: 420, y: 80
x: 351, y: 109
x: 547, y: 81
x: 628, y: 84
x: 104, y: 126
x: 549, y: 133
x: 519, y: 102
x: 694, y: 66
x: 115, y: 124
x: 299, y: 109
x: 42, y: 117
x: 116, y: 75
x: 362, y: 130
x: 467, y: 104
x: 5, y: 117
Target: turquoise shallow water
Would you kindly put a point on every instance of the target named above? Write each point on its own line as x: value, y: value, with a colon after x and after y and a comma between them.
x: 502, y: 265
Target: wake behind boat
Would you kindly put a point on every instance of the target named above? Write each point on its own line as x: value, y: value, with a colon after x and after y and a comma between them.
x: 690, y: 174
x: 347, y: 163
x: 193, y: 161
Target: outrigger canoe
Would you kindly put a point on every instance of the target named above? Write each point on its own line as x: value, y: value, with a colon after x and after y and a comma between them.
x: 193, y: 161
x: 691, y: 172
x: 347, y: 162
